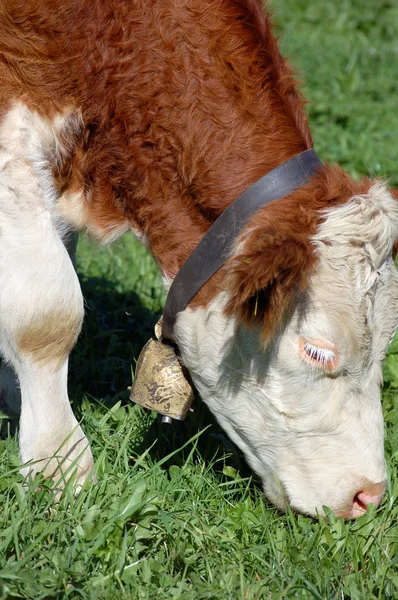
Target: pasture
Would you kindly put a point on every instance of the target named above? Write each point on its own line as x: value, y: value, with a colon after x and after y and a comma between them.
x: 175, y: 511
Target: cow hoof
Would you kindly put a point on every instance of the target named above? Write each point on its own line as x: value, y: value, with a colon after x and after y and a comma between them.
x: 71, y: 460
x: 10, y: 396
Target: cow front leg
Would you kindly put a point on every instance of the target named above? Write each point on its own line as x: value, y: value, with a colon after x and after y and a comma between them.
x: 40, y: 319
x: 41, y: 305
x: 10, y: 396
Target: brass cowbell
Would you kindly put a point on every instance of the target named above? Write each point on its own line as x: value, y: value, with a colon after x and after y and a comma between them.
x: 160, y: 383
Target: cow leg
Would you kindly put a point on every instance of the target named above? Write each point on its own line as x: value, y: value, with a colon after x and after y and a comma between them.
x: 40, y: 318
x: 41, y: 311
x: 10, y: 396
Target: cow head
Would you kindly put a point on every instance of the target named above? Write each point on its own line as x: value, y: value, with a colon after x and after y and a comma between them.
x: 288, y: 355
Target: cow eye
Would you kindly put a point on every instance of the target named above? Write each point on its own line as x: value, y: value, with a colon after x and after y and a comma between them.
x: 319, y: 353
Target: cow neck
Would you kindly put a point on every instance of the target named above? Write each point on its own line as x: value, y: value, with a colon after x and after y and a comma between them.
x: 215, y: 247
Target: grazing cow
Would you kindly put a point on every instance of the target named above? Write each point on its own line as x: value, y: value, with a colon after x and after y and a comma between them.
x: 153, y: 116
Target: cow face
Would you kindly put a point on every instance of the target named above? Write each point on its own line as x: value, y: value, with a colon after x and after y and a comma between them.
x: 304, y: 403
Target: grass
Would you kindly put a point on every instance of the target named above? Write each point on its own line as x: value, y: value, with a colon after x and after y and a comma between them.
x: 176, y: 513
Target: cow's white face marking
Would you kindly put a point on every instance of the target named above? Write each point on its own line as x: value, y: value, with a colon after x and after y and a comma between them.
x: 306, y: 409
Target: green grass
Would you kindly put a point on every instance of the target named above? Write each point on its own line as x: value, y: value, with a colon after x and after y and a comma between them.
x: 176, y: 512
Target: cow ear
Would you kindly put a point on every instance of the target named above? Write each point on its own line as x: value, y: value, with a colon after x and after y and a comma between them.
x: 267, y: 272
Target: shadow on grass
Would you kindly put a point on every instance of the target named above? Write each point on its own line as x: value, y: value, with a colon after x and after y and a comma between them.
x: 213, y: 445
x: 116, y: 327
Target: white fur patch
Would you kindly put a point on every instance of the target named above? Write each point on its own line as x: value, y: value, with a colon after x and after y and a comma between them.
x: 370, y: 220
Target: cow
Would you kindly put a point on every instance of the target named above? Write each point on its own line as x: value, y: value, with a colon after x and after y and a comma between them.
x: 152, y: 117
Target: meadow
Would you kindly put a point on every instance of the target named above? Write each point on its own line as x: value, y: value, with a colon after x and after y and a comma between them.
x: 176, y: 512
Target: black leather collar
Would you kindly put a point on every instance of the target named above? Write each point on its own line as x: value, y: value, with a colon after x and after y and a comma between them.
x: 215, y: 247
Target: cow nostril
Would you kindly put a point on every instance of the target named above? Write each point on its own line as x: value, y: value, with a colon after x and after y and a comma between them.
x: 358, y: 506
x: 372, y: 494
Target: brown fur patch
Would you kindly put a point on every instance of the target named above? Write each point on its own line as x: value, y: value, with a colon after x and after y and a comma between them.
x: 50, y: 338
x: 183, y: 106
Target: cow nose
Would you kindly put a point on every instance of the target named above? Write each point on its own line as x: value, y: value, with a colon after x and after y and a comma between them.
x: 371, y: 494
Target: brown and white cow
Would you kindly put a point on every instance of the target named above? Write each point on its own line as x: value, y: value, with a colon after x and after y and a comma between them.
x: 152, y: 117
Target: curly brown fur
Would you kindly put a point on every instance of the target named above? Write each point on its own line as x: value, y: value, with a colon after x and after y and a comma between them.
x: 184, y: 105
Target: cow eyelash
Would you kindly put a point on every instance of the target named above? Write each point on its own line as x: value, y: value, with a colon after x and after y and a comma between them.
x: 324, y: 356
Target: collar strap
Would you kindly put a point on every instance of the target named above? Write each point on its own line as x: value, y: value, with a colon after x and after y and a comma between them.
x: 215, y: 247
